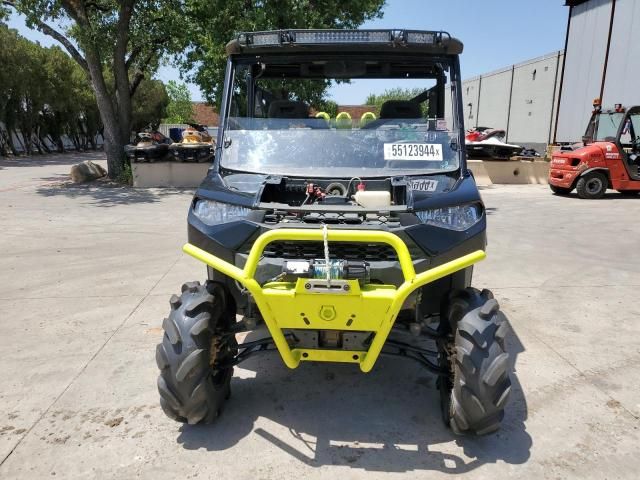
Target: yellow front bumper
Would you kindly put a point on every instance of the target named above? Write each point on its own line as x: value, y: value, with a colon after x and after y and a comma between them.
x: 371, y: 308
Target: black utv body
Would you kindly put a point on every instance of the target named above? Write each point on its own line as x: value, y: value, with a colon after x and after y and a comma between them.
x: 347, y: 238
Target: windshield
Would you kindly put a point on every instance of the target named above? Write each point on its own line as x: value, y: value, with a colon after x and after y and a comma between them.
x: 604, y: 126
x: 348, y: 118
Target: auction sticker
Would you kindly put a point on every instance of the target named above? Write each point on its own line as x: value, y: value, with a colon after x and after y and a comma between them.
x: 424, y: 185
x: 412, y: 151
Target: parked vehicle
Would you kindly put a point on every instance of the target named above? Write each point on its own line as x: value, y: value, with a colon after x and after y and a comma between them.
x: 196, y: 145
x: 148, y: 147
x: 486, y: 142
x: 609, y: 158
x: 344, y: 243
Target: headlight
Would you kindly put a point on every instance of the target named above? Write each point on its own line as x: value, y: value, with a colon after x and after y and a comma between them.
x: 458, y: 218
x: 215, y: 212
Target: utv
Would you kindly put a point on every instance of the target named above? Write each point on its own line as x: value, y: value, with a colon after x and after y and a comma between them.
x: 338, y: 240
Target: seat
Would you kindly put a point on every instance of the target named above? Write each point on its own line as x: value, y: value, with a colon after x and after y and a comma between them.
x: 403, y: 109
x: 288, y: 109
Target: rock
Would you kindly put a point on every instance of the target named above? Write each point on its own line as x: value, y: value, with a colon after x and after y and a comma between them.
x: 86, y: 172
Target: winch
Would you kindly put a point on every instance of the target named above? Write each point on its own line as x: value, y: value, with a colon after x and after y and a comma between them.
x: 334, y: 270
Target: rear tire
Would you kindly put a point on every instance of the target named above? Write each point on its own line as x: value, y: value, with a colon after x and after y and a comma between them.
x: 192, y: 383
x: 592, y: 186
x: 560, y: 190
x: 474, y: 395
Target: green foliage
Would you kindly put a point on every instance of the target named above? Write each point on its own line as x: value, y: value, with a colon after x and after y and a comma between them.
x: 46, y: 96
x: 180, y: 108
x: 396, y: 94
x: 214, y: 22
x: 126, y: 176
x: 118, y: 44
x: 330, y: 107
x: 150, y: 105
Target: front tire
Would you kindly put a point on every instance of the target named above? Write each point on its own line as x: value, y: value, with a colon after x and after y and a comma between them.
x: 592, y: 186
x: 193, y: 383
x: 474, y: 394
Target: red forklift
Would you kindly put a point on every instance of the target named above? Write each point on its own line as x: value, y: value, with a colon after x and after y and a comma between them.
x: 610, y: 157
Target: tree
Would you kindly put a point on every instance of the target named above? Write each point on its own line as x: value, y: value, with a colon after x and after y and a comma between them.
x: 149, y: 105
x: 47, y: 96
x: 396, y: 94
x: 180, y: 108
x: 215, y: 22
x: 124, y: 39
x: 10, y: 86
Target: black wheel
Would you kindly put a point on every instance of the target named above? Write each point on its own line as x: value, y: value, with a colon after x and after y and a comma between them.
x: 475, y: 392
x: 592, y: 185
x: 193, y: 381
x: 560, y: 190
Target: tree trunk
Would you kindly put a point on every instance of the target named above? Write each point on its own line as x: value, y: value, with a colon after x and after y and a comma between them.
x: 120, y: 70
x: 59, y: 143
x: 113, y: 141
x: 12, y: 146
x: 26, y: 142
x: 113, y: 147
x: 3, y: 143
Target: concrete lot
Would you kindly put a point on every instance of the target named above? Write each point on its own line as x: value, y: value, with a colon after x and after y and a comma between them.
x: 85, y: 278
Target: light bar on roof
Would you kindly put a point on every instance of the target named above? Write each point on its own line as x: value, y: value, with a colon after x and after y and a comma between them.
x: 336, y: 37
x: 421, y: 37
x: 262, y: 39
x: 343, y: 36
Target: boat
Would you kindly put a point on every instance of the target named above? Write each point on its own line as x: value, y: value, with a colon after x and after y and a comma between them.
x: 486, y: 142
x: 148, y: 147
x: 196, y: 145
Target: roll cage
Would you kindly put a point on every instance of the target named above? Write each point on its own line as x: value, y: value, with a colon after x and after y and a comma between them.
x: 443, y: 50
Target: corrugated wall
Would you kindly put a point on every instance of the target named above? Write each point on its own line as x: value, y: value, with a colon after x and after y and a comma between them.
x: 470, y: 95
x: 532, y: 101
x: 494, y: 101
x: 622, y: 84
x: 586, y: 49
x: 520, y: 99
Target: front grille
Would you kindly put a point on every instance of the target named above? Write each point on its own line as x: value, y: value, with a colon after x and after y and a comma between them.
x: 337, y: 250
x: 333, y: 218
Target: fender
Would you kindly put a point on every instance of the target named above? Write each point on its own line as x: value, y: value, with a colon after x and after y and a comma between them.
x: 596, y: 169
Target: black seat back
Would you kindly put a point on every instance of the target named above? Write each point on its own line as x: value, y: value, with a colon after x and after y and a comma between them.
x: 400, y: 109
x: 288, y: 109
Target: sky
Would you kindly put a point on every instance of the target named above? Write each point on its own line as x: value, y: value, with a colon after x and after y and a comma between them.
x: 495, y: 33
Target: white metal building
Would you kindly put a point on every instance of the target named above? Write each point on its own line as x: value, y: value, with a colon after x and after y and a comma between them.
x: 521, y: 99
x: 549, y: 99
x: 602, y: 61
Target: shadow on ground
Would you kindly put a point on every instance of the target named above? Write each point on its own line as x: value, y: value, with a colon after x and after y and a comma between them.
x: 105, y: 193
x: 609, y: 195
x: 387, y: 420
x: 68, y: 158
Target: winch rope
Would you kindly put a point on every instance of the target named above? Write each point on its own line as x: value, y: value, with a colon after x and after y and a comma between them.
x: 325, y: 239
